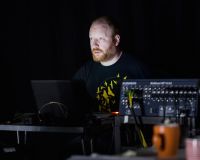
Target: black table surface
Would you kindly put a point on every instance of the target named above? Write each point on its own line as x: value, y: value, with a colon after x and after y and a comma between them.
x: 180, y: 156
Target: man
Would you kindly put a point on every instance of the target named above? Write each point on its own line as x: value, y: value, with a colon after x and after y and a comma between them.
x: 102, y: 76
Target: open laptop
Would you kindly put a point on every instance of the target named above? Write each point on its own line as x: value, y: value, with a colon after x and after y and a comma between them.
x: 60, y: 102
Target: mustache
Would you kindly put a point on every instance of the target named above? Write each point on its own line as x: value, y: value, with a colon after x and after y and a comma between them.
x: 97, y: 49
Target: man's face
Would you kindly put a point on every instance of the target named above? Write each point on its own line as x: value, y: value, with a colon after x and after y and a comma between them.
x: 102, y: 42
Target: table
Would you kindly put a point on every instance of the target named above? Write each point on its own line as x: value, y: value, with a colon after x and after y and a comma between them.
x: 180, y: 156
x: 43, y: 129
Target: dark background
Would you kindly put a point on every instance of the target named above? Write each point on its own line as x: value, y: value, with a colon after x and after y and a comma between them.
x: 49, y: 40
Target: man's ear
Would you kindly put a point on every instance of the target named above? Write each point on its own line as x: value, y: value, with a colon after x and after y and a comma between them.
x: 117, y: 39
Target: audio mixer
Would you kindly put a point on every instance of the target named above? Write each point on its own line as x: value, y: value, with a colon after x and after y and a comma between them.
x: 160, y: 97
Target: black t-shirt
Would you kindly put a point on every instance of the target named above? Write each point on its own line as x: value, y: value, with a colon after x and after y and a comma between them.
x: 103, y: 82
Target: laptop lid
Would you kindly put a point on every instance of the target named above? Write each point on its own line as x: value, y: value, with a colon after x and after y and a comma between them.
x: 60, y: 100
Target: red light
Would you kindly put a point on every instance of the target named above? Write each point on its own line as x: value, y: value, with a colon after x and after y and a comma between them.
x: 115, y: 113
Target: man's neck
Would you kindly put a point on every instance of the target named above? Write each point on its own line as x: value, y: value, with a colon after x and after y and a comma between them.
x: 113, y: 60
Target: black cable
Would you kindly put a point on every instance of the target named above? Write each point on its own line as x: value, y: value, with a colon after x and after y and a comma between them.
x: 137, y: 125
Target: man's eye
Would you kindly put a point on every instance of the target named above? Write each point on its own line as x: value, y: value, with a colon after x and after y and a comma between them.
x: 101, y: 39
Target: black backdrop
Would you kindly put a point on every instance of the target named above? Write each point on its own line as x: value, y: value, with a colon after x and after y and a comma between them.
x: 49, y: 40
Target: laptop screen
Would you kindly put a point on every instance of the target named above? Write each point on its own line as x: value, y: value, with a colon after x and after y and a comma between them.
x: 60, y: 99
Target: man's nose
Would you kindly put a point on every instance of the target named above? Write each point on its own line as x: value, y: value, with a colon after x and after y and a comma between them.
x: 96, y: 43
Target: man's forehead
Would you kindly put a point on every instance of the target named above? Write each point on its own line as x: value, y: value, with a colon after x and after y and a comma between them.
x: 100, y: 26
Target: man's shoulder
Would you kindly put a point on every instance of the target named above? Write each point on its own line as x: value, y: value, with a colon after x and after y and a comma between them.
x: 86, y: 67
x: 136, y: 65
x: 129, y: 58
x: 88, y: 64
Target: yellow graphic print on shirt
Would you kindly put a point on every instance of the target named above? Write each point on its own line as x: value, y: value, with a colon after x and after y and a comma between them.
x: 106, y: 93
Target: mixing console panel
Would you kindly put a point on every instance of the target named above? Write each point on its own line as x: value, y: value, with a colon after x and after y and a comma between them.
x: 160, y: 97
